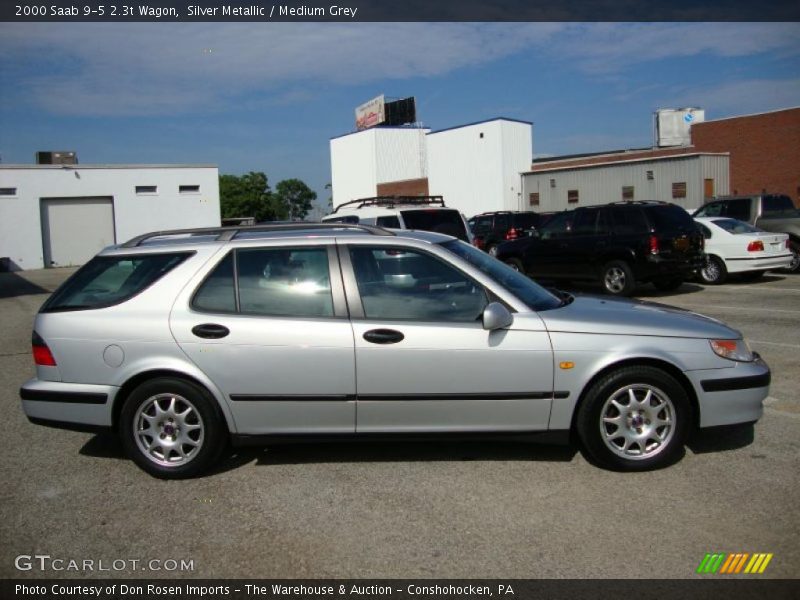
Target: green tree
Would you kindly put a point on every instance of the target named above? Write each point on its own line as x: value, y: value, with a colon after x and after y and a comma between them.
x: 294, y: 199
x: 246, y: 196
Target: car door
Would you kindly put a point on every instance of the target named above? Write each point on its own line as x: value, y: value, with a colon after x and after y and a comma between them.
x: 588, y: 243
x: 547, y: 256
x: 268, y: 325
x: 424, y: 361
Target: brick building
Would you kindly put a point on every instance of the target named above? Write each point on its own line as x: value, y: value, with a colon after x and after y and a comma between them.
x: 764, y: 150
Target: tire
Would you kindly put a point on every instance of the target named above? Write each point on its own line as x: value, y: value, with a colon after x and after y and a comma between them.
x: 794, y: 248
x: 161, y: 405
x: 668, y: 285
x: 515, y: 264
x: 617, y: 278
x: 654, y: 416
x: 714, y: 272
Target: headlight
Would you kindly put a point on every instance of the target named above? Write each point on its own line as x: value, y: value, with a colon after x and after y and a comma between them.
x: 732, y: 350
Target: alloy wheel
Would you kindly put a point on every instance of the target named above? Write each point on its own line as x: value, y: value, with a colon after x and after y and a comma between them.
x: 168, y: 430
x: 637, y: 421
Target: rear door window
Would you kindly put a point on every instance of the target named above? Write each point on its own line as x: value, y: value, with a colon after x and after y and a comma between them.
x: 108, y: 280
x: 738, y: 209
x: 283, y: 282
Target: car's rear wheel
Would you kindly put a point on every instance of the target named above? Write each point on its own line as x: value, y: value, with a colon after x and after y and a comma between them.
x: 171, y: 428
x: 668, y: 285
x: 634, y: 419
x: 515, y: 264
x: 618, y: 278
x: 794, y: 266
x: 714, y: 271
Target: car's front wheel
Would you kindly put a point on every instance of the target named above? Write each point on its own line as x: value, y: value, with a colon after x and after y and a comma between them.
x: 634, y: 419
x: 618, y: 278
x: 170, y: 428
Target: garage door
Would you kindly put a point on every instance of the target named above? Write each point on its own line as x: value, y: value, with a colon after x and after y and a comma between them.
x: 75, y: 229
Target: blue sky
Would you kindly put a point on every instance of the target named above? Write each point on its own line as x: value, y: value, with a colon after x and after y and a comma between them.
x: 268, y: 97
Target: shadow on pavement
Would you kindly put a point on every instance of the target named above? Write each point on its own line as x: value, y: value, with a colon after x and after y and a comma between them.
x: 721, y: 439
x: 12, y: 285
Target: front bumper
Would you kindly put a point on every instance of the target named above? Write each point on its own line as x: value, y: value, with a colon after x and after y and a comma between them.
x: 731, y: 396
x: 68, y: 405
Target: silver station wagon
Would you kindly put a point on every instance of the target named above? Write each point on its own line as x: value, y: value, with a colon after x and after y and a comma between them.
x: 184, y: 341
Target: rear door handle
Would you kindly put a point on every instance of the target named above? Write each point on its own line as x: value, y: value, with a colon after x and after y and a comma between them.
x: 211, y: 331
x: 383, y: 336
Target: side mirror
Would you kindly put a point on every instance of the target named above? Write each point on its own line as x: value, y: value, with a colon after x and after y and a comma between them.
x: 496, y: 316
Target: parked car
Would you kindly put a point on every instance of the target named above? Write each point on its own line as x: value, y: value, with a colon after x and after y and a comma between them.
x: 181, y: 341
x: 775, y: 213
x: 493, y: 228
x: 733, y: 246
x: 425, y: 213
x: 619, y: 245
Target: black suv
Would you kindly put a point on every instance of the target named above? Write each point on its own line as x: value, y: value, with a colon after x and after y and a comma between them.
x: 490, y: 229
x: 617, y: 244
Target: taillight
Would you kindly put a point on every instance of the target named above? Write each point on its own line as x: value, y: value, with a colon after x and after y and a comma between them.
x: 478, y: 243
x: 512, y: 234
x: 757, y: 246
x: 41, y: 353
x: 653, y: 244
x: 787, y: 244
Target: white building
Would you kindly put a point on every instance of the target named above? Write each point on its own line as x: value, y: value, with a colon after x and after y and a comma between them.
x: 683, y: 179
x: 61, y: 215
x: 476, y: 167
x: 361, y: 161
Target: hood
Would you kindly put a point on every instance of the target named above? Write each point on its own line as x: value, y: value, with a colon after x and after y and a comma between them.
x: 607, y: 315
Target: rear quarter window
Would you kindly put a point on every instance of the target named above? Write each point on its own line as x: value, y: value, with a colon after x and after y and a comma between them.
x: 670, y: 218
x: 440, y: 220
x: 109, y: 280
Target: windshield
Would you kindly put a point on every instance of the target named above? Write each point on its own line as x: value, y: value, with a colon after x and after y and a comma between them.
x: 535, y: 296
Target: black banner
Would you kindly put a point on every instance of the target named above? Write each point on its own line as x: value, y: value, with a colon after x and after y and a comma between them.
x: 398, y: 10
x: 398, y: 589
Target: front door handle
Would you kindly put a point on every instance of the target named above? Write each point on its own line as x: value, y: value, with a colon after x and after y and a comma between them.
x: 211, y: 331
x: 383, y: 336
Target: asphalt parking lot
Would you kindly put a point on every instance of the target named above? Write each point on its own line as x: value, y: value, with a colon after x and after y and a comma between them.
x: 376, y: 510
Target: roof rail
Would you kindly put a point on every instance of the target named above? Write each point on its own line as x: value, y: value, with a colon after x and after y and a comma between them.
x: 391, y: 201
x: 226, y: 234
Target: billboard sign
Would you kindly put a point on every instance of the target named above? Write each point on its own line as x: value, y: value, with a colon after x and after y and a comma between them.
x: 370, y: 113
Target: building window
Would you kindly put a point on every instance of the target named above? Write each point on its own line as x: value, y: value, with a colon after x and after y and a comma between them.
x: 146, y: 189
x: 533, y: 199
x: 189, y: 189
x: 572, y: 197
x: 650, y: 176
x: 679, y: 189
x: 627, y: 192
x: 8, y: 191
x: 552, y: 183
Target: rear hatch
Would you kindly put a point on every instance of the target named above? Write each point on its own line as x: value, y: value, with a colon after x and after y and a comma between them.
x: 441, y: 220
x: 675, y: 233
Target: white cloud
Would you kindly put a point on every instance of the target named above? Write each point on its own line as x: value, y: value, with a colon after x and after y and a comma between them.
x: 157, y: 68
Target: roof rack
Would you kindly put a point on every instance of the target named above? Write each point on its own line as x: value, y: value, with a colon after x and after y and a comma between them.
x: 391, y: 201
x: 226, y: 234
